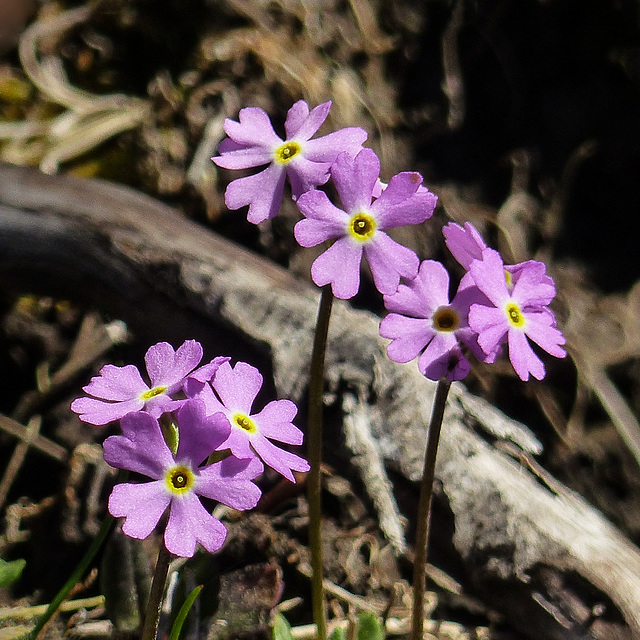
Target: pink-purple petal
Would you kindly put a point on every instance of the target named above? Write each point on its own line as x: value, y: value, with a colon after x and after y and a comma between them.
x: 488, y: 274
x: 262, y: 192
x: 439, y: 347
x: 275, y: 422
x: 422, y: 295
x: 230, y: 482
x: 409, y: 335
x: 540, y: 330
x: 323, y: 221
x: 116, y: 383
x: 327, y: 148
x: 204, y: 392
x: 141, y: 448
x: 407, y: 301
x: 253, y: 129
x: 237, y: 387
x: 168, y: 367
x: 339, y: 266
x: 296, y: 116
x: 158, y: 405
x: 413, y: 210
x: 355, y: 178
x: 523, y: 358
x: 281, y: 461
x: 401, y: 187
x: 388, y: 260
x: 490, y: 324
x: 142, y: 506
x: 97, y: 412
x: 465, y: 244
x: 208, y: 371
x: 200, y: 434
x: 532, y: 286
x: 243, y: 157
x: 312, y: 122
x: 305, y: 175
x: 238, y: 443
x: 190, y: 523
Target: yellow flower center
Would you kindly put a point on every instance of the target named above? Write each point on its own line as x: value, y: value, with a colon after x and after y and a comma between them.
x: 179, y: 479
x: 244, y: 422
x: 515, y: 315
x: 152, y: 393
x: 445, y: 319
x: 362, y: 226
x: 287, y: 151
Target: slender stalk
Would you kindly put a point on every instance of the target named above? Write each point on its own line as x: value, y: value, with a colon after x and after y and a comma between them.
x: 152, y: 614
x: 74, y: 578
x: 424, y: 507
x: 314, y: 441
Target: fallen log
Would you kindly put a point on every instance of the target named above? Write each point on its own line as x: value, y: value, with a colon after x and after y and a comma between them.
x: 533, y: 549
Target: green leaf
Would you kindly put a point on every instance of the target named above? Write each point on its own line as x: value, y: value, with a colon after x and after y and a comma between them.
x: 10, y: 571
x: 369, y: 627
x: 184, y: 611
x: 281, y: 628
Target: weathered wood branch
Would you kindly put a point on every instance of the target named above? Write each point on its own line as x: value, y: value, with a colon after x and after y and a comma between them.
x: 547, y: 560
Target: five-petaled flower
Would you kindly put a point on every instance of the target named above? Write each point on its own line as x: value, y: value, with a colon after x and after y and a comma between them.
x: 251, y: 434
x: 517, y: 312
x: 423, y: 321
x: 252, y: 142
x: 359, y: 228
x: 118, y: 391
x: 177, y: 480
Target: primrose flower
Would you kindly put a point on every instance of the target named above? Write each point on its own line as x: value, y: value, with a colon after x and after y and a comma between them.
x: 359, y: 228
x: 425, y: 322
x: 252, y: 142
x: 177, y: 480
x: 517, y: 312
x: 118, y: 391
x: 251, y: 434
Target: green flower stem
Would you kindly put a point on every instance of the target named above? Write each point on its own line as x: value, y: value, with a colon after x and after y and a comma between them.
x: 152, y: 614
x: 424, y: 507
x: 314, y: 447
x: 74, y: 578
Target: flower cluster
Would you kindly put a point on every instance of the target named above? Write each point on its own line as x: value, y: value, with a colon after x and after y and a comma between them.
x: 495, y: 304
x: 170, y: 429
x: 369, y: 206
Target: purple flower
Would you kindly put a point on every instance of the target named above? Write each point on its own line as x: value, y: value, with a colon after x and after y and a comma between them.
x: 118, y: 391
x: 359, y: 228
x: 517, y: 313
x: 424, y: 321
x: 178, y: 480
x: 252, y: 142
x: 251, y: 434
